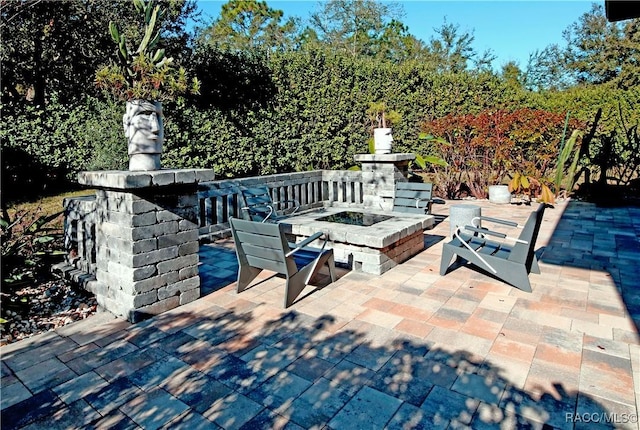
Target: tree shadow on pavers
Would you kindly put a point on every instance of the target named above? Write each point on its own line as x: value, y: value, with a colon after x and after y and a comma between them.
x: 218, y: 267
x: 601, y: 239
x: 290, y: 370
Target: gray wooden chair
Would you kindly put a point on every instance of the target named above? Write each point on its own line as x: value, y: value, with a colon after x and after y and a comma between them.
x: 259, y: 206
x: 413, y: 197
x: 508, y: 262
x: 262, y: 246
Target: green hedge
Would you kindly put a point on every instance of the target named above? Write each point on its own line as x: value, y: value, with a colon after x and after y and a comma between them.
x: 291, y: 111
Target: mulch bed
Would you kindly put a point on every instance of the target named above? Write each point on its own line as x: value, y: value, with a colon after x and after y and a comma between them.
x: 42, y: 306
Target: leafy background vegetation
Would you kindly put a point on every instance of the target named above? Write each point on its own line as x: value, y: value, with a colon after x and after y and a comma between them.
x: 277, y: 96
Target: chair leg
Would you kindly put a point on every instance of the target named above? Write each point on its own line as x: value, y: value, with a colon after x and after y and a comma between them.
x: 246, y: 274
x: 535, y: 267
x: 519, y: 278
x: 332, y: 267
x: 447, y: 255
x: 297, y: 282
x: 295, y: 285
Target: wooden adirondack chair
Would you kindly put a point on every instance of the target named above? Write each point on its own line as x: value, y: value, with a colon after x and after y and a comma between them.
x: 511, y: 263
x: 412, y: 197
x: 262, y: 246
x: 259, y: 206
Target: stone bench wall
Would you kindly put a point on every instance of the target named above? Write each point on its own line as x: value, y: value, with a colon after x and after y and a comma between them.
x: 135, y: 243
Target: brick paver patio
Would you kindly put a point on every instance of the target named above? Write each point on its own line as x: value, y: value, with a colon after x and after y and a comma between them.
x: 406, y: 349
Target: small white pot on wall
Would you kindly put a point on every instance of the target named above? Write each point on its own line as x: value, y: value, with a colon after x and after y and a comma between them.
x: 499, y: 194
x: 382, y: 140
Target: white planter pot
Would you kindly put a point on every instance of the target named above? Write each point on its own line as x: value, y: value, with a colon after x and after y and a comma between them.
x: 382, y: 140
x: 143, y: 127
x: 499, y: 194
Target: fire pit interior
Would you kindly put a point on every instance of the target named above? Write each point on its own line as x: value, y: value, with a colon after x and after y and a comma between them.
x: 355, y: 218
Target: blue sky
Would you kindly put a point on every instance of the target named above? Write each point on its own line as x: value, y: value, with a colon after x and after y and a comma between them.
x: 511, y: 29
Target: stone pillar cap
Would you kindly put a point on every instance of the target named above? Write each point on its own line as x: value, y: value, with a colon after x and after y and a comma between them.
x: 125, y: 179
x: 384, y: 158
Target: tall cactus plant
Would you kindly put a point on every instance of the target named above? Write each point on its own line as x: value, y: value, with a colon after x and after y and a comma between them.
x: 144, y: 72
x: 152, y: 15
x: 565, y: 155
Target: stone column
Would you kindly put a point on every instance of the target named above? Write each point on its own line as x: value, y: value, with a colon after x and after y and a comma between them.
x: 147, y: 239
x: 380, y: 172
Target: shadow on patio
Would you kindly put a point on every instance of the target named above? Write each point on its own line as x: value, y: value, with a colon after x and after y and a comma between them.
x: 606, y: 242
x: 406, y: 349
x: 226, y: 367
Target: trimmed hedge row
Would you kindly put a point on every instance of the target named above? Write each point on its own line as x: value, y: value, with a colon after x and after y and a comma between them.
x: 292, y: 111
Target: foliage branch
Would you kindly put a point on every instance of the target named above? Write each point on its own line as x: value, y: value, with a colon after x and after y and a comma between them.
x: 144, y: 72
x: 482, y: 149
x: 381, y: 116
x: 26, y: 241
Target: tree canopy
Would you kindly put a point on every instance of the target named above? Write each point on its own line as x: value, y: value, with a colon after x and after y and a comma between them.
x: 277, y: 96
x: 55, y: 47
x: 248, y: 25
x: 596, y: 52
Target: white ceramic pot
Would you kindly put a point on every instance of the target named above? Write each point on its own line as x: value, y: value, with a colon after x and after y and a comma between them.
x: 382, y: 140
x: 144, y: 130
x: 499, y: 194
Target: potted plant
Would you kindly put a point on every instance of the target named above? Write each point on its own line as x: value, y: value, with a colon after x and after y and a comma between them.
x: 527, y: 187
x: 381, y: 120
x: 144, y: 77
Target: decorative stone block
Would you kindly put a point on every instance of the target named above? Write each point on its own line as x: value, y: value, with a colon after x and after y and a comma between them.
x: 461, y: 215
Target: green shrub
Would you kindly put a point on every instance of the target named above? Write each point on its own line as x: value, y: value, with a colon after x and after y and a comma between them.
x: 301, y: 110
x: 43, y: 148
x: 27, y: 242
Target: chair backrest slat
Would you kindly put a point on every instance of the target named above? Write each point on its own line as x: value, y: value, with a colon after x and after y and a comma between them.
x: 267, y: 253
x: 523, y: 253
x: 267, y: 264
x: 262, y: 245
x: 257, y: 196
x: 264, y: 241
x: 408, y: 193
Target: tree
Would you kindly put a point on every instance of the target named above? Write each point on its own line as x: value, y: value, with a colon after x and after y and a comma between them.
x: 249, y: 25
x: 596, y: 52
x: 359, y: 26
x: 397, y: 45
x: 593, y: 44
x: 453, y: 52
x: 547, y: 69
x: 55, y: 47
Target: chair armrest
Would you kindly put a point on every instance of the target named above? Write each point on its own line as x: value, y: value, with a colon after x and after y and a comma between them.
x: 473, y: 251
x: 306, y: 242
x: 295, y: 202
x: 499, y: 221
x: 258, y: 208
x: 419, y: 199
x: 493, y: 233
x: 485, y: 231
x: 264, y: 210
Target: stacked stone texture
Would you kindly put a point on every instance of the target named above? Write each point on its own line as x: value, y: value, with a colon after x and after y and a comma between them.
x: 147, y: 247
x: 380, y: 172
